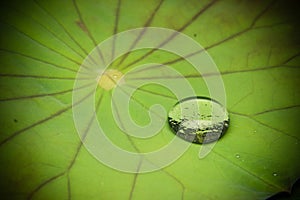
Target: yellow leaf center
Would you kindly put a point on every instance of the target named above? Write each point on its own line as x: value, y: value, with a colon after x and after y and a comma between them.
x: 109, y: 79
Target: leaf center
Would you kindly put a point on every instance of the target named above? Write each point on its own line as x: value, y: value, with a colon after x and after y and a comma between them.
x: 109, y: 79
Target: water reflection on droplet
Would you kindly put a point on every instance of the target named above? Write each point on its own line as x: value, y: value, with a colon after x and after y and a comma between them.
x: 237, y: 156
x: 275, y: 174
x: 199, y: 119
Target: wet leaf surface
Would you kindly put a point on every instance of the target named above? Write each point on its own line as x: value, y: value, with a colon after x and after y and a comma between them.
x: 43, y: 43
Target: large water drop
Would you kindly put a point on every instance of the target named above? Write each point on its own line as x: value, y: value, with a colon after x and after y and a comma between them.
x: 199, y: 119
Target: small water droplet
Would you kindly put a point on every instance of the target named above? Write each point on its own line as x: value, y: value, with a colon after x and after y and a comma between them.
x: 237, y: 156
x: 205, y: 120
x: 275, y: 174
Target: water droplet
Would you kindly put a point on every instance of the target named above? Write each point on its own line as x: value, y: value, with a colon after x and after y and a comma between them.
x: 199, y: 119
x: 237, y: 156
x: 275, y: 174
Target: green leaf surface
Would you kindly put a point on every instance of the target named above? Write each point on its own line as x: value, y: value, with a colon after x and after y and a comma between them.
x: 255, y: 45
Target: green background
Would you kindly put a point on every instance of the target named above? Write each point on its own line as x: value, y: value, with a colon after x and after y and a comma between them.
x: 255, y: 45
